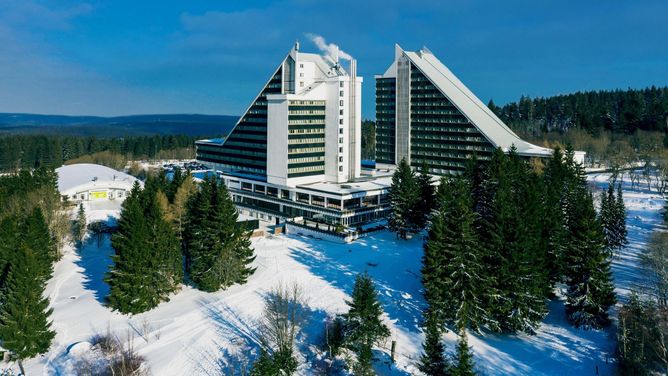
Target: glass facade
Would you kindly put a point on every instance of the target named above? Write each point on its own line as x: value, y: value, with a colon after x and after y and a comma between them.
x: 385, y: 120
x: 440, y: 135
x: 306, y: 138
x: 245, y: 149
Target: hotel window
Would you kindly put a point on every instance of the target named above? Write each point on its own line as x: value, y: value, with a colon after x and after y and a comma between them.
x: 341, y: 103
x: 301, y: 84
x: 340, y: 121
x: 341, y: 111
x: 340, y: 168
x: 340, y: 140
x: 340, y: 159
x: 301, y: 75
x: 341, y: 84
x: 341, y: 150
x: 301, y: 65
x: 340, y: 130
x: 341, y: 93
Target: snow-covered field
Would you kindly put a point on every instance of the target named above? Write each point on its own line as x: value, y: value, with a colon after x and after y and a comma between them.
x: 198, y: 333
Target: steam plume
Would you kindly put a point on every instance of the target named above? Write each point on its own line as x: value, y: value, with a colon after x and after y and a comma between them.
x: 330, y: 49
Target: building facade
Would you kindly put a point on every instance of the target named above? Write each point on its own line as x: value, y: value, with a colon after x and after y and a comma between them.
x: 296, y: 151
x: 426, y: 115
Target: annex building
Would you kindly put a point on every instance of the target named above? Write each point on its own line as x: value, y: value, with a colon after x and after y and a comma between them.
x: 426, y: 115
x: 296, y: 150
x: 92, y: 182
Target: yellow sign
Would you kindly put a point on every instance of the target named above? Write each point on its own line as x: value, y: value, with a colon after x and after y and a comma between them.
x: 98, y: 194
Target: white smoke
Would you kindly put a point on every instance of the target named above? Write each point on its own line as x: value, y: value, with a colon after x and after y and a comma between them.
x: 330, y: 49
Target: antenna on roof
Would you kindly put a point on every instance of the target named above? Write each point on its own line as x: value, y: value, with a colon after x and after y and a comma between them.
x: 297, y: 45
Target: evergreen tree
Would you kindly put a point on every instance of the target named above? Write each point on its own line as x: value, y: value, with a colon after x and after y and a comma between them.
x: 426, y: 199
x: 24, y: 314
x: 363, y: 325
x: 587, y: 263
x: 511, y: 230
x: 80, y: 225
x: 219, y: 251
x: 453, y: 275
x: 404, y: 199
x: 606, y: 215
x: 433, y: 361
x: 147, y: 264
x: 620, y: 216
x: 464, y: 359
x: 35, y: 235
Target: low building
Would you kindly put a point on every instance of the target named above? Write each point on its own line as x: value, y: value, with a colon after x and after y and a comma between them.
x: 91, y: 182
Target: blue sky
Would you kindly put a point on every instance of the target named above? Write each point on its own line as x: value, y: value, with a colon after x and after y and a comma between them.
x: 134, y: 57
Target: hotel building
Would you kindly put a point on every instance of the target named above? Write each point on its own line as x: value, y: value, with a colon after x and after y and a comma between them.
x: 426, y: 115
x: 296, y: 150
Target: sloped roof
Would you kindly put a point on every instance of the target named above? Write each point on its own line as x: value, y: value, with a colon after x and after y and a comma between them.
x: 493, y: 128
x: 91, y: 175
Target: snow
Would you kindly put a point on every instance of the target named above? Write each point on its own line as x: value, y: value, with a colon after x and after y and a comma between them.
x: 198, y: 333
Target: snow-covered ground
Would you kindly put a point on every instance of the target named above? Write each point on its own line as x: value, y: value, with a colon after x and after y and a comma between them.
x: 198, y: 333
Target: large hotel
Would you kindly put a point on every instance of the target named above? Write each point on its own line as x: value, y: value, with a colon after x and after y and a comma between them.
x: 296, y: 150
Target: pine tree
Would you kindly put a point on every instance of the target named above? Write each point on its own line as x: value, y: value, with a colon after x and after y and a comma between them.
x: 554, y: 227
x: 363, y: 325
x: 426, y: 198
x: 36, y: 236
x: 511, y: 231
x: 587, y: 263
x: 464, y: 359
x: 453, y: 274
x: 219, y: 251
x: 80, y: 225
x: 24, y: 314
x: 404, y: 199
x: 433, y: 361
x: 147, y: 264
x: 606, y: 216
x: 620, y: 218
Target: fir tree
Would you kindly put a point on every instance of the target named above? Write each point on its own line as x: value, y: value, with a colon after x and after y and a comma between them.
x: 433, y: 361
x: 363, y: 325
x: 620, y: 218
x: 219, y: 251
x: 35, y: 235
x: 606, y: 215
x: 588, y: 276
x: 426, y: 198
x: 453, y: 274
x: 404, y: 199
x: 554, y: 227
x: 147, y: 264
x: 463, y: 359
x: 80, y: 225
x: 24, y: 314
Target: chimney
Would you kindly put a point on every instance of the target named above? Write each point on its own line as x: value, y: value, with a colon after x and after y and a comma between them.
x: 353, y: 162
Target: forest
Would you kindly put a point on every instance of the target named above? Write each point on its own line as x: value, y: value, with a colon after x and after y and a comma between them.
x: 21, y: 151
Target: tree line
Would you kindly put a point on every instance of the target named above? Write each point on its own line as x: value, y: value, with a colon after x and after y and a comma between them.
x: 619, y: 111
x: 500, y: 238
x: 31, y: 151
x: 172, y: 232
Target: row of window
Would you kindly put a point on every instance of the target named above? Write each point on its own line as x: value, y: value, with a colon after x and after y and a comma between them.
x: 306, y: 121
x: 307, y: 102
x: 306, y: 159
x: 297, y: 141
x: 306, y: 112
x: 307, y: 131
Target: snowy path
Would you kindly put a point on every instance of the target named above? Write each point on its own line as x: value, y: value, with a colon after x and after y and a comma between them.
x: 198, y: 333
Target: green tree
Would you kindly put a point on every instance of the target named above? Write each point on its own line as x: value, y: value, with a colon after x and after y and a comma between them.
x: 426, y: 199
x: 80, y: 225
x: 404, y: 198
x: 463, y: 359
x: 363, y: 325
x: 147, y: 263
x: 587, y: 264
x: 219, y: 251
x: 24, y: 314
x: 433, y: 361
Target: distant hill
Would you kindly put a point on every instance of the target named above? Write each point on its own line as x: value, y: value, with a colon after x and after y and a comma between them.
x: 136, y: 125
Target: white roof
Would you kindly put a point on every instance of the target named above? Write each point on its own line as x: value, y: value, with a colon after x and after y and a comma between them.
x: 493, y: 128
x: 85, y: 176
